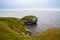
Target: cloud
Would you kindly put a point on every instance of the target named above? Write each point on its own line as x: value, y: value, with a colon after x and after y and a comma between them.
x: 30, y: 4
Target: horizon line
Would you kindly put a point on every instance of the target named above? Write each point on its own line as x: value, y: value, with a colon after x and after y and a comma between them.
x: 45, y: 9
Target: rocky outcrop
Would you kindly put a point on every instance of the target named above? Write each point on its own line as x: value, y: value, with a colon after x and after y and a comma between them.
x: 29, y: 20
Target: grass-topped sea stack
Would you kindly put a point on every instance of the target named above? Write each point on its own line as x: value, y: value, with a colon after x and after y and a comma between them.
x: 30, y: 19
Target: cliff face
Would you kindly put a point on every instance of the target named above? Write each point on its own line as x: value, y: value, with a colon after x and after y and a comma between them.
x: 34, y: 20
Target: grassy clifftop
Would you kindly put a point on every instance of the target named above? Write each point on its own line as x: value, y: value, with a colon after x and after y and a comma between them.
x: 14, y: 23
x: 50, y: 34
x: 12, y: 29
x: 7, y: 33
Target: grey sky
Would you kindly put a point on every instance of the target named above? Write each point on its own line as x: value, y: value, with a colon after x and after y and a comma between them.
x: 29, y: 4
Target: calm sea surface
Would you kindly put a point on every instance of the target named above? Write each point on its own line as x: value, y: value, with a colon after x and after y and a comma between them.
x: 46, y: 19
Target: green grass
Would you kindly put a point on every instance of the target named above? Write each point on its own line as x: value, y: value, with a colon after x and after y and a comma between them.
x: 50, y: 34
x: 30, y: 16
x: 14, y: 23
x: 12, y: 29
x: 6, y: 33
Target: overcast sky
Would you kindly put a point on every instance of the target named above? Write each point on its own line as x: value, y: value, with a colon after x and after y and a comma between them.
x: 30, y: 4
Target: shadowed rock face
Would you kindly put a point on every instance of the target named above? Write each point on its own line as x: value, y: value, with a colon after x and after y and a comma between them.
x: 30, y: 20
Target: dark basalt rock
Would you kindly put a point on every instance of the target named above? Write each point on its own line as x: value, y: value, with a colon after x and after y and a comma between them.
x: 30, y: 20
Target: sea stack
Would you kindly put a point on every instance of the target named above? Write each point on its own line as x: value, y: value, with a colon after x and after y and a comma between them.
x: 30, y: 19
